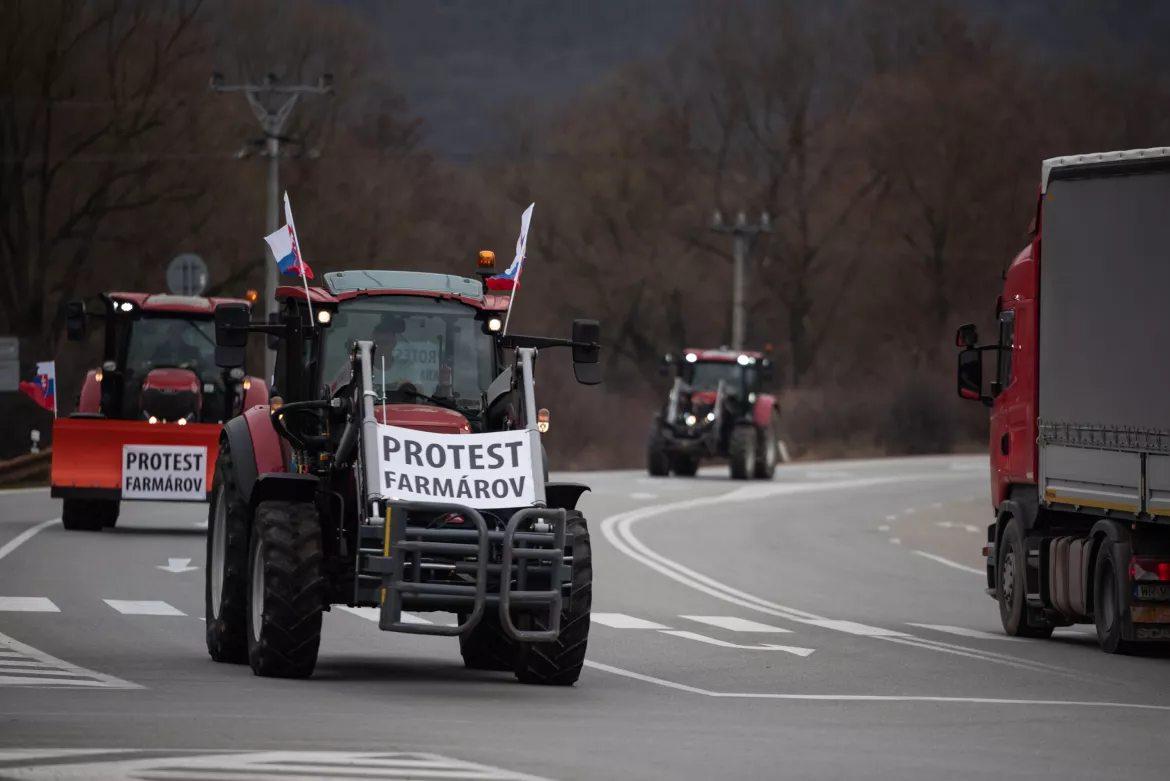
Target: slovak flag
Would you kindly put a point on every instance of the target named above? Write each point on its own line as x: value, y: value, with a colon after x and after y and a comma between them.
x: 510, y: 279
x: 283, y: 244
x: 43, y: 390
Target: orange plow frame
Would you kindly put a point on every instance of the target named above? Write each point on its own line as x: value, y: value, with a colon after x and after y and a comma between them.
x: 87, y: 452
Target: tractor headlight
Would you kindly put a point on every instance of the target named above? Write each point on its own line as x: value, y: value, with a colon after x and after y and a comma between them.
x: 324, y: 316
x: 152, y: 419
x: 751, y: 398
x: 542, y: 421
x: 743, y: 360
x: 495, y: 324
x: 247, y: 383
x: 710, y: 417
x: 691, y: 420
x: 691, y: 357
x: 181, y: 421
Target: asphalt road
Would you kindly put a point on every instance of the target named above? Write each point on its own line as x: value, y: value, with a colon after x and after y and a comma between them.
x: 830, y: 624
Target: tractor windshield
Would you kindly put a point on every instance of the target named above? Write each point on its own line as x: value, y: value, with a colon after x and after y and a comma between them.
x: 424, y: 345
x: 157, y: 342
x: 705, y: 375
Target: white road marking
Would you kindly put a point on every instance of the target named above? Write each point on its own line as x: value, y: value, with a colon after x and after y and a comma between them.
x: 176, y: 566
x: 26, y: 535
x: 891, y: 517
x: 949, y: 563
x: 200, y: 524
x: 895, y: 540
x: 6, y: 491
x: 622, y: 621
x: 853, y: 628
x: 145, y: 607
x: 374, y: 613
x: 972, y: 633
x: 16, y: 670
x: 261, y: 766
x: 936, y: 505
x: 643, y: 496
x: 882, y: 698
x: 617, y: 531
x: 971, y: 528
x: 802, y: 652
x: 909, y: 511
x: 27, y: 605
x: 735, y: 624
x: 944, y: 524
x: 883, y: 528
x: 824, y: 474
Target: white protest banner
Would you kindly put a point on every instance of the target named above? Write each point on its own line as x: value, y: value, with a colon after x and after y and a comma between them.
x: 164, y: 472
x: 484, y: 471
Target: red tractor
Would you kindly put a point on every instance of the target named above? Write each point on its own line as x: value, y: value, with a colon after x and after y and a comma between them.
x: 148, y: 418
x: 401, y: 469
x: 717, y: 409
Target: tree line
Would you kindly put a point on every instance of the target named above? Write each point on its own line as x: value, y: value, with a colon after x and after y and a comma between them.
x: 896, y: 145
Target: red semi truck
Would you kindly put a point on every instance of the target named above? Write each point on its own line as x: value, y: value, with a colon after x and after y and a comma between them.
x: 1080, y: 406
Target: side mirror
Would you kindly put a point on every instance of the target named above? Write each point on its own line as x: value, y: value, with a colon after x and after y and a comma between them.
x: 970, y: 375
x: 664, y: 367
x: 75, y: 324
x: 231, y: 334
x: 587, y: 351
x: 967, y: 336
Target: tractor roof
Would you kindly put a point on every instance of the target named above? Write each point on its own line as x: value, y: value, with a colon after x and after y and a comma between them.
x: 163, y: 302
x: 723, y: 354
x: 344, y: 285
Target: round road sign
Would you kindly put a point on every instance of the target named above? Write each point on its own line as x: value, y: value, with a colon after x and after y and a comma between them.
x: 187, y: 275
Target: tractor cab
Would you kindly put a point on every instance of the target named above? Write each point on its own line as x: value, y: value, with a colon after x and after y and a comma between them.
x: 718, y: 407
x: 158, y: 360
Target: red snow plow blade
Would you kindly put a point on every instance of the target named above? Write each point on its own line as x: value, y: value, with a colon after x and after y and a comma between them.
x: 97, y: 458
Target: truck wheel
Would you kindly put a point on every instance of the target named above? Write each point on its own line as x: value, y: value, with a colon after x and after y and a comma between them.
x: 559, y: 662
x: 285, y: 601
x: 225, y: 591
x: 1012, y: 587
x: 742, y: 452
x: 686, y: 466
x: 1107, y: 600
x: 657, y: 462
x: 768, y: 452
x: 83, y: 515
x: 486, y: 646
x: 110, y: 515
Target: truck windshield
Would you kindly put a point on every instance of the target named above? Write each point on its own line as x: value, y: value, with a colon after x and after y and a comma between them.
x: 171, y: 342
x: 705, y: 375
x: 432, y: 346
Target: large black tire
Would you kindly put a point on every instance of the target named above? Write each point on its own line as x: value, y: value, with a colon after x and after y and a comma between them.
x: 767, y: 449
x: 110, y: 517
x: 559, y: 662
x: 286, y: 590
x: 686, y: 466
x: 1012, y: 589
x: 741, y: 451
x: 657, y: 461
x: 1108, y: 603
x: 226, y: 605
x: 487, y: 646
x: 87, y: 515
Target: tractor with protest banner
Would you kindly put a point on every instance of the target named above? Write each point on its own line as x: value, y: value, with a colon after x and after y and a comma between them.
x: 147, y: 420
x: 718, y: 407
x: 399, y: 468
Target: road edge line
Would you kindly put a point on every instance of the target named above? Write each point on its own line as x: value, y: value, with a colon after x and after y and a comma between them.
x: 25, y: 536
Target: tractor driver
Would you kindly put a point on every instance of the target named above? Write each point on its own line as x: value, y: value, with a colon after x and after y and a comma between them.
x: 386, y: 334
x: 175, y: 350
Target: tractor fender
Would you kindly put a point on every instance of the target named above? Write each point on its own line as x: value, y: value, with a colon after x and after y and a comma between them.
x: 257, y: 394
x: 256, y: 447
x: 762, y: 411
x: 90, y: 400
x: 564, y: 496
x: 285, y: 486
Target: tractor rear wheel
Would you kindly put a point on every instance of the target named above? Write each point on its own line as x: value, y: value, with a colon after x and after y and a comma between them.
x: 559, y: 662
x: 741, y: 452
x: 286, y: 597
x: 225, y: 592
x: 88, y: 515
x: 486, y: 646
x: 768, y: 452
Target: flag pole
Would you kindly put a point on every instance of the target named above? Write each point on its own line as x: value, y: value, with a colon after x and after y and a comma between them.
x: 300, y: 257
x: 522, y: 250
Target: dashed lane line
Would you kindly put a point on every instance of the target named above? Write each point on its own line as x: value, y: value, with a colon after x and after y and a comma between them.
x: 147, y: 607
x: 949, y: 563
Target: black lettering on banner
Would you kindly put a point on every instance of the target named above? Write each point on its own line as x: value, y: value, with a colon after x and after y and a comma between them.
x: 518, y: 487
x: 388, y: 476
x: 413, y: 452
x: 464, y: 489
x: 474, y: 454
x: 443, y: 487
x: 199, y: 462
x: 422, y: 485
x: 404, y: 483
x: 493, y: 451
x: 481, y: 490
x: 515, y: 448
x: 131, y: 458
x: 455, y: 451
x: 390, y: 445
x: 436, y: 462
x: 500, y: 488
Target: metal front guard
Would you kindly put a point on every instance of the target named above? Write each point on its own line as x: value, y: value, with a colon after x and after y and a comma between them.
x: 403, y: 540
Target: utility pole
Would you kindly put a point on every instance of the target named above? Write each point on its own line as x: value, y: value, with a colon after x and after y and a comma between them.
x: 743, y: 234
x: 272, y: 122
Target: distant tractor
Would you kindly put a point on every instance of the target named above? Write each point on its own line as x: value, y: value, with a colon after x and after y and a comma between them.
x: 717, y: 409
x: 148, y: 418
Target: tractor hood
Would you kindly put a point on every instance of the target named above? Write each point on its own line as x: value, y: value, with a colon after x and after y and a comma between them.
x: 169, y: 395
x: 171, y: 381
x: 419, y: 417
x: 704, y: 397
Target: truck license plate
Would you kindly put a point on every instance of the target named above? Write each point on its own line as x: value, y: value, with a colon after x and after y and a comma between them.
x: 1150, y: 615
x: 1153, y: 593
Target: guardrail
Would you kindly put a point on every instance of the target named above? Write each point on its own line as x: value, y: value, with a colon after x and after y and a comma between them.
x: 26, y: 467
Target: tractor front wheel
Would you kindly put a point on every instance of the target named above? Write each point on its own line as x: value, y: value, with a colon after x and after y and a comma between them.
x: 225, y: 589
x: 741, y: 452
x: 88, y: 515
x: 768, y: 452
x: 657, y: 461
x: 486, y: 646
